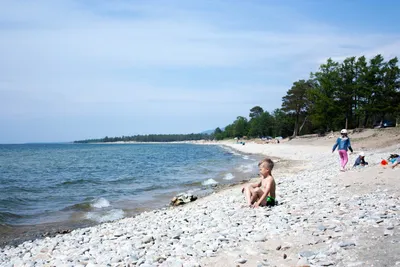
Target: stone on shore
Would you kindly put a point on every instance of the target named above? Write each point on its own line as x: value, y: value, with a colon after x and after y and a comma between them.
x: 182, y: 199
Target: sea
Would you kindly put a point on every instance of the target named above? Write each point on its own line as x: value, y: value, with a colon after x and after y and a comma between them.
x: 86, y: 184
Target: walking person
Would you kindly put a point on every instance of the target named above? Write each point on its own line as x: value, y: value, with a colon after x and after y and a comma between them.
x: 343, y: 144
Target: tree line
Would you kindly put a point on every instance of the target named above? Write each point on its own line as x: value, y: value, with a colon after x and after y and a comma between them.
x: 354, y: 93
x: 149, y: 138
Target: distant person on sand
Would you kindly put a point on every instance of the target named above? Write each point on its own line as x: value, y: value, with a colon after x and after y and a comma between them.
x: 360, y: 161
x: 395, y: 159
x: 343, y: 143
x: 263, y: 192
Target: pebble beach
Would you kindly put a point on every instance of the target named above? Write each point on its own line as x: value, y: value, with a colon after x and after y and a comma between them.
x: 324, y: 218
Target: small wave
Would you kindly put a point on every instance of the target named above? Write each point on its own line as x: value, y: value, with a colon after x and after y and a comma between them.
x: 190, y: 184
x: 89, y: 205
x: 231, y: 151
x: 12, y: 201
x: 123, y: 180
x: 7, y: 217
x: 101, y: 203
x: 151, y: 188
x: 228, y: 176
x: 245, y: 157
x: 105, y: 216
x: 79, y: 181
x: 209, y: 182
x: 85, y: 206
x: 245, y: 168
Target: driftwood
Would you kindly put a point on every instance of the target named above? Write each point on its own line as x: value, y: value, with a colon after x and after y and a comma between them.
x: 182, y: 199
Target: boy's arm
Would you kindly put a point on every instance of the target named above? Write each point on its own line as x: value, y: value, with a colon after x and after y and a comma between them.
x: 254, y: 185
x: 266, y: 190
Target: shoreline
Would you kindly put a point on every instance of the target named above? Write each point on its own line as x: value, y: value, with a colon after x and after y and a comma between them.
x: 14, y: 235
x: 321, y: 219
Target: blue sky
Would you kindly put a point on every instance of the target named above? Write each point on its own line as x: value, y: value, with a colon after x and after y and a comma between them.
x: 86, y: 69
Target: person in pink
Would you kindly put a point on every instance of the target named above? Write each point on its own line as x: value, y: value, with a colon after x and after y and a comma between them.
x: 343, y: 144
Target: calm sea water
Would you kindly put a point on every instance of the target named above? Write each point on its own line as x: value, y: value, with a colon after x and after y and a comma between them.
x: 58, y: 183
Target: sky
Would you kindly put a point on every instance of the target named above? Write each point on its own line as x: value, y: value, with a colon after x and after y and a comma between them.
x: 72, y: 70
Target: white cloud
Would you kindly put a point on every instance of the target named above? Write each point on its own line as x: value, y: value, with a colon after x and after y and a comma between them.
x: 88, y: 38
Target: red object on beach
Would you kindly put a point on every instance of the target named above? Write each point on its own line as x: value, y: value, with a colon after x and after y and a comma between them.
x: 384, y: 162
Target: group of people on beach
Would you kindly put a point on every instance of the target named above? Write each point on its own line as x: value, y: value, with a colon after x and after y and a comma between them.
x: 343, y: 144
x: 262, y: 193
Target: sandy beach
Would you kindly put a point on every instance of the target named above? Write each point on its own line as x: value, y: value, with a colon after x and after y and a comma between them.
x: 324, y: 218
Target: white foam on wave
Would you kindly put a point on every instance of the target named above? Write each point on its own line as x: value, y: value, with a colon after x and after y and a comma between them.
x: 228, y: 176
x: 101, y: 203
x: 245, y: 157
x: 209, y: 182
x: 245, y: 168
x: 105, y: 216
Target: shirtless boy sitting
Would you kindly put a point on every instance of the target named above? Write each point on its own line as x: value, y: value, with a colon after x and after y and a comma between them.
x: 263, y: 192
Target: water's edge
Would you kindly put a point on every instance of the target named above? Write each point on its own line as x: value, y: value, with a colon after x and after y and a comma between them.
x: 15, y: 235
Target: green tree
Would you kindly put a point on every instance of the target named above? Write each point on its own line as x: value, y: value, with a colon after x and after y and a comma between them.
x: 255, y: 127
x: 295, y: 102
x: 256, y: 112
x: 346, y: 93
x: 362, y: 91
x: 240, y: 127
x: 218, y: 134
x: 373, y: 78
x: 389, y: 97
x: 229, y: 131
x: 255, y: 124
x: 323, y: 97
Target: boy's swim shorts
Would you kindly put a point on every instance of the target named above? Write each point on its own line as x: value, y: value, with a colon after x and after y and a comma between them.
x: 270, y: 201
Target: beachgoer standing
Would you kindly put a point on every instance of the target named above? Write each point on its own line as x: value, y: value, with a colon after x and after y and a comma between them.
x: 343, y: 143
